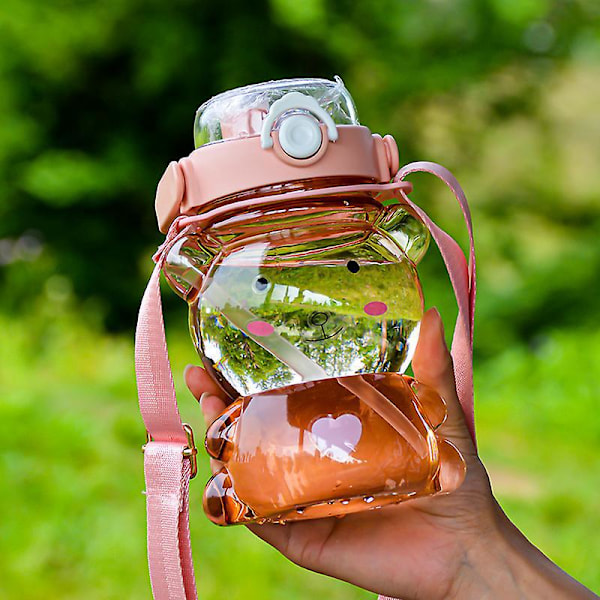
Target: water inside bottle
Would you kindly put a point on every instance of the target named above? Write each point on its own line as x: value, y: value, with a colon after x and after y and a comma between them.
x: 319, y: 450
x: 274, y: 325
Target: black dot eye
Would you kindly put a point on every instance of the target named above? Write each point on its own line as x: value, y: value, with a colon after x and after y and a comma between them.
x: 353, y: 266
x: 261, y: 284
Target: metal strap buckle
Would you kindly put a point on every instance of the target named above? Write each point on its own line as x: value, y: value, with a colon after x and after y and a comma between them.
x: 190, y: 451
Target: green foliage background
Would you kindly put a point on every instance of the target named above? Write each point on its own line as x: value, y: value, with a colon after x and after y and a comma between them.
x: 96, y: 97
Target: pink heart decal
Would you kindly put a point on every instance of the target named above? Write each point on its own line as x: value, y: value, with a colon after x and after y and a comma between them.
x: 336, y: 438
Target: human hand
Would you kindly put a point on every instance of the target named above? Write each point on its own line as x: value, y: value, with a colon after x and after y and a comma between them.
x: 459, y: 545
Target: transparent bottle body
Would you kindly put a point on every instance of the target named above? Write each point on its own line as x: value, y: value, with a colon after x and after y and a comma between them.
x: 308, y: 314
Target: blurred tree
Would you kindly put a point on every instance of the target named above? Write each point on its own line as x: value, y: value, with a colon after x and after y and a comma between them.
x: 98, y: 97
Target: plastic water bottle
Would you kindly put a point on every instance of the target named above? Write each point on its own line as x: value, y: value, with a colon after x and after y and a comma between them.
x: 298, y: 261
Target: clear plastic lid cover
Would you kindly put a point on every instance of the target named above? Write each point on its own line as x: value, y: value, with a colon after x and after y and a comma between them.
x: 240, y: 112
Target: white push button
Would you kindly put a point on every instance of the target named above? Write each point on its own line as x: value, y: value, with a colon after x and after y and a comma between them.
x: 300, y: 136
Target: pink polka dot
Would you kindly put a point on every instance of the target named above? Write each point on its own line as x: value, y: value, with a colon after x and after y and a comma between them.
x: 375, y: 308
x: 260, y: 328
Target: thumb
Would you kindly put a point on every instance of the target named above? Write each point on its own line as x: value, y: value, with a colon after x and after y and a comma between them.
x: 432, y: 366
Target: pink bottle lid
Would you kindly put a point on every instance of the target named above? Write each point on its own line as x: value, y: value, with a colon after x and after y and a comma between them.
x: 270, y: 134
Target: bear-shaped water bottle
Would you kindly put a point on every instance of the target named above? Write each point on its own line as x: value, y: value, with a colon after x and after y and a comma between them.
x: 305, y: 305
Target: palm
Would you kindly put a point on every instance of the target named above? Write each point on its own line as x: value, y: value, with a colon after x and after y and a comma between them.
x: 416, y: 548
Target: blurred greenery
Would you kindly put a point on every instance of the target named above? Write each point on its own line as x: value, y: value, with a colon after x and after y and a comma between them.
x: 98, y: 96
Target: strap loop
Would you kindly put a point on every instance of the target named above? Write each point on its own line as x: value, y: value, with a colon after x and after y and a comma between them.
x: 190, y: 451
x: 167, y: 476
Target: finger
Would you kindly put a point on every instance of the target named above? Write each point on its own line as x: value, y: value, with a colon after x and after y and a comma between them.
x: 199, y: 382
x: 304, y: 542
x: 432, y: 365
x: 212, y: 406
x: 275, y: 535
x: 294, y: 540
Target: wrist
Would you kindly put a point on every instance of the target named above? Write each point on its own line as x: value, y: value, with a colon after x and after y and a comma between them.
x: 503, y: 564
x: 488, y: 563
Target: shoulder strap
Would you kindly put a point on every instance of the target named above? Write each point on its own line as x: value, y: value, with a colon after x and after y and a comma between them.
x: 167, y: 464
x: 167, y: 471
x: 463, y: 279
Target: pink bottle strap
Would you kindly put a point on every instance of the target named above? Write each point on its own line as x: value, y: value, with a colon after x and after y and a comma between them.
x: 168, y: 471
x: 463, y: 279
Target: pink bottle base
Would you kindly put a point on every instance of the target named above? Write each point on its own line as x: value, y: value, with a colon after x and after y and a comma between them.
x: 316, y: 449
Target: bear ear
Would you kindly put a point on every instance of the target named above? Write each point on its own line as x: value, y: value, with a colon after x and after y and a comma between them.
x: 169, y: 195
x: 406, y: 229
x: 186, y: 264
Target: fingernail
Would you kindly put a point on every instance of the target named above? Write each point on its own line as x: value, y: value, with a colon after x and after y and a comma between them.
x: 187, y: 368
x: 439, y: 324
x: 202, y: 397
x: 434, y: 311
